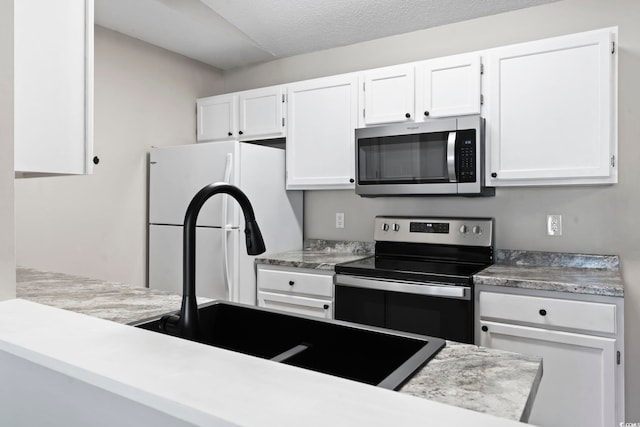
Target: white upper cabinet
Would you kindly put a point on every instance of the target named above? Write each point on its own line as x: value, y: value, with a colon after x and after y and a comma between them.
x: 217, y: 118
x: 549, y: 105
x: 262, y: 113
x: 387, y: 95
x: 551, y: 111
x: 53, y: 69
x: 448, y: 86
x: 247, y: 115
x: 322, y: 116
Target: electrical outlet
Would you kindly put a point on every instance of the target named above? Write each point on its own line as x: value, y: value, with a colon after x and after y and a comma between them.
x: 554, y: 225
x: 339, y: 219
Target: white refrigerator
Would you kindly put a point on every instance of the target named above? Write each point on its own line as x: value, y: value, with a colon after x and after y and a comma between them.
x: 223, y: 268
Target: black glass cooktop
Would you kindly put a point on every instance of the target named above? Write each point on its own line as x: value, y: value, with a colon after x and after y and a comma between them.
x: 414, y: 269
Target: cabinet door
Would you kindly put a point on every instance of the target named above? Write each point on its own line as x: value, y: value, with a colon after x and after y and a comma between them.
x: 578, y: 381
x: 53, y: 63
x: 448, y: 86
x: 261, y: 113
x: 388, y: 95
x: 321, y: 132
x: 217, y: 118
x: 313, y: 307
x: 551, y: 114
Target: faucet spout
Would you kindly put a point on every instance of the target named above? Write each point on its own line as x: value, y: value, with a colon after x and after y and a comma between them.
x: 188, y: 322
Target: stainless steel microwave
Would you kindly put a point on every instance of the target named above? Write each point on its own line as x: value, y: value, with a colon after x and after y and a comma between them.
x: 436, y: 157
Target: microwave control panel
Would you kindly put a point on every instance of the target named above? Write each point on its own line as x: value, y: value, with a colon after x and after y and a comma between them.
x: 466, y: 149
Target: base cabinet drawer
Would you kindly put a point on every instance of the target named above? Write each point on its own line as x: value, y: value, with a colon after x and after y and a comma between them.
x: 294, y: 281
x: 549, y: 312
x: 314, y: 307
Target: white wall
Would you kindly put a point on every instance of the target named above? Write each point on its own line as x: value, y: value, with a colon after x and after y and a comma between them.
x: 597, y: 219
x: 7, y: 240
x: 96, y: 225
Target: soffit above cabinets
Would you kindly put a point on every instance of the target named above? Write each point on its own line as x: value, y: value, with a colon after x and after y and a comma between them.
x: 228, y: 34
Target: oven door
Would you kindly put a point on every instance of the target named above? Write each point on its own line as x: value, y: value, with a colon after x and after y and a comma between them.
x: 437, y: 310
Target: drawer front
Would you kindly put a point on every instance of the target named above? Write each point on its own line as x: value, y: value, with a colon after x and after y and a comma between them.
x: 560, y: 313
x: 296, y: 304
x: 295, y: 282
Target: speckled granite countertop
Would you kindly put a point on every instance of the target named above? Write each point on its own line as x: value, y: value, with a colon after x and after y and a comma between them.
x: 106, y: 300
x: 485, y: 380
x: 549, y: 271
x: 320, y: 254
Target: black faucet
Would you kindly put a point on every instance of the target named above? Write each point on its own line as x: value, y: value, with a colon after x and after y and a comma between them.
x: 187, y: 323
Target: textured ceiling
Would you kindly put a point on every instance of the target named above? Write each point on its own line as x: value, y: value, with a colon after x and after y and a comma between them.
x: 233, y: 33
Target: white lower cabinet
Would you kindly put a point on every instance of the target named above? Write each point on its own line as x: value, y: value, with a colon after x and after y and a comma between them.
x: 296, y: 290
x: 580, y: 342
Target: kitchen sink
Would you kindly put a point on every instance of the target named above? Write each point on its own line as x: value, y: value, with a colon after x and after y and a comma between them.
x: 366, y: 354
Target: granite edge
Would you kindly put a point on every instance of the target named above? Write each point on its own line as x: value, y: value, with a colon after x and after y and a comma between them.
x: 319, y: 254
x: 556, y: 259
x: 339, y: 246
x: 295, y: 264
x: 529, y: 261
x: 545, y: 285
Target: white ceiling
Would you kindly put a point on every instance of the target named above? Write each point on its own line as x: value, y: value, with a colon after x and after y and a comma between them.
x: 234, y: 33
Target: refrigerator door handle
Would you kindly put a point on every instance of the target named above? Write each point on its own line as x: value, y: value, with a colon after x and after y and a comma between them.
x: 225, y: 228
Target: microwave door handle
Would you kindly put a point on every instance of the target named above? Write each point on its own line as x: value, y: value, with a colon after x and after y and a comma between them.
x: 451, y: 156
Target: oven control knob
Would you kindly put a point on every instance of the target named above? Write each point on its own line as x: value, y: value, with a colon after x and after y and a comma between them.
x: 396, y: 227
x: 476, y: 229
x: 464, y: 229
x: 385, y: 227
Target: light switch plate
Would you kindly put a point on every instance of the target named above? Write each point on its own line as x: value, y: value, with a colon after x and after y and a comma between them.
x: 339, y: 219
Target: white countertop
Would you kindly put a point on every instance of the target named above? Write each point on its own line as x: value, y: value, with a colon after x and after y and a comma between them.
x: 205, y: 385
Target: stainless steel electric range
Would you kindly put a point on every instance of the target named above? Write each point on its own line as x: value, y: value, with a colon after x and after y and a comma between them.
x: 420, y: 279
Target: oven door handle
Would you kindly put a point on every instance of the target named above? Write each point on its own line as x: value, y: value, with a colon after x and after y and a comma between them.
x: 419, y: 288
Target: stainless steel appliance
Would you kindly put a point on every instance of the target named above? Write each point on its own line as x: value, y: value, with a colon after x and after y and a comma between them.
x: 438, y: 156
x: 420, y: 279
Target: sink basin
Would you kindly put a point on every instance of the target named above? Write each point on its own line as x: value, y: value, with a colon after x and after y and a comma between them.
x: 370, y: 355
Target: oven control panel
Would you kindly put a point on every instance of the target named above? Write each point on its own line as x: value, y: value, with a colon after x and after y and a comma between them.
x: 450, y: 231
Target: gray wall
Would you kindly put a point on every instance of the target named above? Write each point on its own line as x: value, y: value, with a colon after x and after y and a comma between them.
x: 597, y: 219
x: 7, y: 240
x: 96, y: 225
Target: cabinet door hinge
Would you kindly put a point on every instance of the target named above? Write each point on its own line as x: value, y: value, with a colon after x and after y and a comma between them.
x: 283, y: 98
x: 613, y: 161
x: 283, y: 122
x: 363, y: 113
x: 363, y: 86
x: 613, y: 47
x: 481, y: 68
x: 481, y: 99
x: 618, y: 357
